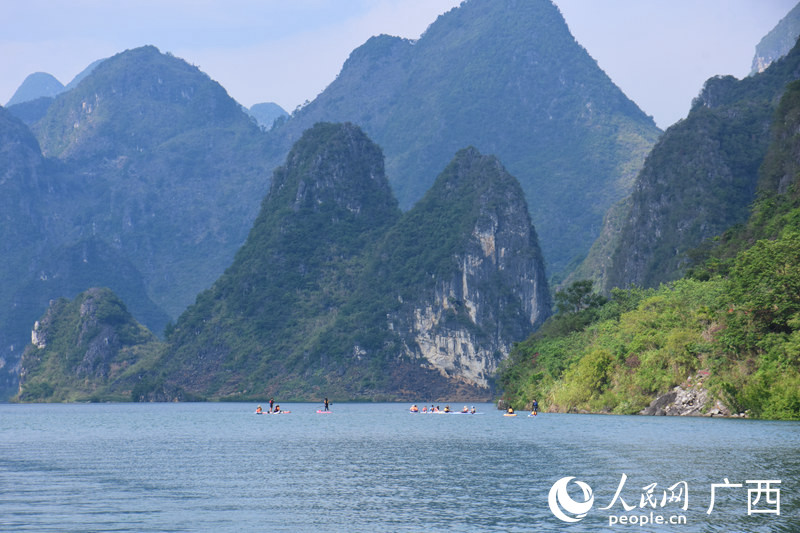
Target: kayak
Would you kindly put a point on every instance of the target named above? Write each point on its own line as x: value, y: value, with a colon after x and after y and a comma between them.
x: 510, y: 414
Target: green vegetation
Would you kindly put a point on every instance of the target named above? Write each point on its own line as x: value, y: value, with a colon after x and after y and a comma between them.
x: 734, y: 334
x: 701, y: 178
x: 733, y: 323
x: 89, y: 349
x: 150, y: 181
x: 323, y: 295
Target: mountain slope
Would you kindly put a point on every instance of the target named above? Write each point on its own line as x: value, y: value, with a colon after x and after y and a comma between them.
x: 508, y: 78
x: 723, y: 341
x: 171, y: 168
x: 83, y: 349
x: 325, y: 206
x: 701, y: 177
x: 452, y: 286
x: 149, y: 161
x: 26, y: 181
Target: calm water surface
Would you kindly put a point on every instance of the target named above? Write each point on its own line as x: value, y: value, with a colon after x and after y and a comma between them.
x: 375, y: 467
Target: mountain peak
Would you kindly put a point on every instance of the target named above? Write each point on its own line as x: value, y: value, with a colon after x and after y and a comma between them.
x: 168, y: 95
x: 334, y: 163
x: 35, y: 86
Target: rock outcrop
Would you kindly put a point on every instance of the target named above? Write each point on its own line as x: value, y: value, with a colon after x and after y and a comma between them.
x: 690, y: 399
x: 700, y: 178
x: 493, y: 291
x: 81, y: 348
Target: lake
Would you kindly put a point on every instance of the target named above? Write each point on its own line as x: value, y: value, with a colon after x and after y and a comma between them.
x: 376, y: 467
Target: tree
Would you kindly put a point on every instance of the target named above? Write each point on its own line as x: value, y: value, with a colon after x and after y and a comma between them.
x: 577, y: 297
x: 765, y: 283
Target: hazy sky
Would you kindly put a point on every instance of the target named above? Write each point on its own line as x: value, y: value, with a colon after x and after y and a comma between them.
x: 659, y: 52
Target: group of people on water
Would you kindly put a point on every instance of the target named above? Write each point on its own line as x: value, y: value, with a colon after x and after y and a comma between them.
x: 534, y: 409
x: 273, y: 408
x: 436, y: 409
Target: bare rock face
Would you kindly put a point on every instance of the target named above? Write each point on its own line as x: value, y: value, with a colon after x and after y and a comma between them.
x: 492, y: 292
x: 690, y: 399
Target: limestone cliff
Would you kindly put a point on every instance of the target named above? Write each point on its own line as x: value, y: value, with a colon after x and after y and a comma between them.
x: 479, y: 284
x: 777, y: 42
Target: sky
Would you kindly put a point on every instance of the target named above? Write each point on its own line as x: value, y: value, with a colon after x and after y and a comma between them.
x: 659, y: 52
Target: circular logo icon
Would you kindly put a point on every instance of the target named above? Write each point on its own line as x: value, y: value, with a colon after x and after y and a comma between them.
x: 563, y: 506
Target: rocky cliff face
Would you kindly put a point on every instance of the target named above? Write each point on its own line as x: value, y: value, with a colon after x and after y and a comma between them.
x: 493, y: 291
x: 778, y: 42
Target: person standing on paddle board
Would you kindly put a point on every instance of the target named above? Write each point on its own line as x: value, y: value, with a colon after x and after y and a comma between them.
x: 535, y: 409
x: 271, y: 401
x: 326, y: 405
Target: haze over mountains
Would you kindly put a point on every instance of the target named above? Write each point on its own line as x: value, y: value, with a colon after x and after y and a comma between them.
x: 147, y: 178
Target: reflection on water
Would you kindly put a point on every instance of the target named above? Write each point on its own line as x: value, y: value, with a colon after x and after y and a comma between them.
x: 376, y: 467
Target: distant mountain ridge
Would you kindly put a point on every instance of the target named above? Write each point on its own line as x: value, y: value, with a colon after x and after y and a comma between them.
x: 36, y: 85
x: 778, y: 42
x: 267, y: 113
x: 43, y: 85
x: 508, y: 78
x: 147, y: 163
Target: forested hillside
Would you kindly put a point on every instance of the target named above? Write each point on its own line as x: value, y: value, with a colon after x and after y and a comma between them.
x: 700, y: 178
x: 336, y: 293
x: 86, y: 349
x: 728, y: 335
